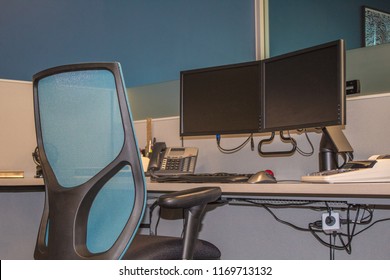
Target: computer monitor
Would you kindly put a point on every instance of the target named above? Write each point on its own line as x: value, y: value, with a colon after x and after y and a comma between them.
x: 304, y: 89
x: 220, y: 100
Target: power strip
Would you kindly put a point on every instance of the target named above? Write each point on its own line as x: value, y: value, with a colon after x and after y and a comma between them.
x: 331, y: 222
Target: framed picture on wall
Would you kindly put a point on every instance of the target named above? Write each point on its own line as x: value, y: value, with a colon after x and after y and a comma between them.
x: 376, y: 27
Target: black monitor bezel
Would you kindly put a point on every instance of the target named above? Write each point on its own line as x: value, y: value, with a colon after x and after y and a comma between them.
x: 184, y: 132
x: 340, y: 120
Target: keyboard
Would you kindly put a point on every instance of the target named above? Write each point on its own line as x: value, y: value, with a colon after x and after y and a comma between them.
x: 204, y: 178
x: 331, y: 172
x: 375, y: 169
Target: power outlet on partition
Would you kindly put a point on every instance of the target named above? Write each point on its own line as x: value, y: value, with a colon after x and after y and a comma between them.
x: 331, y: 222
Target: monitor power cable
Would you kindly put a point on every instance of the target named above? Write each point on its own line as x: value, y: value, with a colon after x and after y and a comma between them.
x: 300, y: 151
x: 218, y: 138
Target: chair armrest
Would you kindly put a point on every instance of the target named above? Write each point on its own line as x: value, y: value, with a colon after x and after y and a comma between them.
x: 189, y: 198
x: 195, y: 200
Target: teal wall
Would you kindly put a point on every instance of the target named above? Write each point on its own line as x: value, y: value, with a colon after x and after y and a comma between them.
x: 296, y: 24
x: 152, y: 39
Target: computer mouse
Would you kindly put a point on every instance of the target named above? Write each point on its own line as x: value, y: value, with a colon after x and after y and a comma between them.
x: 263, y: 176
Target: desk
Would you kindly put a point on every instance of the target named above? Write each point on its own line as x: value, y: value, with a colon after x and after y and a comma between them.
x: 362, y: 193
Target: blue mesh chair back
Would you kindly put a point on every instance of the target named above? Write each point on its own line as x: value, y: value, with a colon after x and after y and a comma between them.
x: 95, y: 189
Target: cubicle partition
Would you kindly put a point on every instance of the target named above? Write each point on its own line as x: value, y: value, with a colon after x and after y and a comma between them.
x: 17, y: 128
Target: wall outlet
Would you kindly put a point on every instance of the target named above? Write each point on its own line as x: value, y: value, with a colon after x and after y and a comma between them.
x: 331, y: 222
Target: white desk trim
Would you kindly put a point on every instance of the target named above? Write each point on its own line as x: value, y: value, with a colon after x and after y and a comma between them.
x: 380, y: 190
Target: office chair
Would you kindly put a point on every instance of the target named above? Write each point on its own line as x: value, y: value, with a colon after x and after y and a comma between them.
x: 95, y: 187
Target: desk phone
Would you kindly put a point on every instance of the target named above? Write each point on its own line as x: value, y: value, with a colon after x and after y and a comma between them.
x: 172, y: 161
x: 375, y: 169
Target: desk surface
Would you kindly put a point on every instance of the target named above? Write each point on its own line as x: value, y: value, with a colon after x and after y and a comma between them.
x: 379, y: 190
x: 21, y: 182
x: 363, y: 190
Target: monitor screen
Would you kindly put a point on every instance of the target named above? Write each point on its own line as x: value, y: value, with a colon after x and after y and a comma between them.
x: 220, y: 100
x: 304, y: 89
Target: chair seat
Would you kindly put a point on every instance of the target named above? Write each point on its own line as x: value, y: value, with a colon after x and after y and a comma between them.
x: 153, y: 247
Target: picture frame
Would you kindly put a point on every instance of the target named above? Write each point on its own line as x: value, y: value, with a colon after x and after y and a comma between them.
x: 376, y: 26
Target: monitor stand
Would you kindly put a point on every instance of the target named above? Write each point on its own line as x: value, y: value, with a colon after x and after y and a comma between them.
x: 333, y: 143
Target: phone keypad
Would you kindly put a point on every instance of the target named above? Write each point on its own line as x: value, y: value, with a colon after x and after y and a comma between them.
x: 173, y: 164
x: 178, y: 164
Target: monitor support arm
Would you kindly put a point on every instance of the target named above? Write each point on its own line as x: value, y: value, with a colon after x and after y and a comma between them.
x: 277, y: 153
x: 333, y: 143
x: 327, y: 155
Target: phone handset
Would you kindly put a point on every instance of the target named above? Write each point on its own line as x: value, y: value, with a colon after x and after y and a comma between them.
x: 155, y: 160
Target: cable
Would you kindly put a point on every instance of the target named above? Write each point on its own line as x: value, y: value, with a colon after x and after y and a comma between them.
x: 332, y: 247
x: 350, y: 235
x: 369, y: 216
x: 233, y: 150
x: 377, y: 221
x: 328, y: 208
x: 314, y: 233
x: 345, y: 158
x: 301, y: 152
x: 158, y: 221
x: 35, y: 156
x: 284, y: 222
